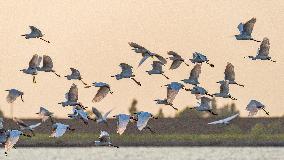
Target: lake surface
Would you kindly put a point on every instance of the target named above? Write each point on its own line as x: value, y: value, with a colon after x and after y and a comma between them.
x: 144, y: 153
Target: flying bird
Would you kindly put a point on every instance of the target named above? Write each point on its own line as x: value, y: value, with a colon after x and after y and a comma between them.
x: 246, y: 30
x: 13, y: 95
x: 230, y: 75
x: 35, y: 33
x: 226, y: 120
x: 142, y: 118
x: 224, y: 90
x: 104, y: 89
x: 157, y: 69
x: 172, y: 91
x: 23, y: 126
x: 72, y: 98
x: 200, y: 58
x: 47, y: 65
x: 99, y: 117
x: 59, y: 129
x: 126, y: 72
x: 199, y: 91
x: 177, y: 60
x: 146, y: 53
x: 45, y: 114
x: 76, y: 75
x: 254, y: 106
x: 33, y: 66
x: 205, y: 105
x: 263, y: 51
x: 79, y: 113
x: 104, y: 140
x: 194, y: 75
x: 12, y: 139
x: 122, y: 122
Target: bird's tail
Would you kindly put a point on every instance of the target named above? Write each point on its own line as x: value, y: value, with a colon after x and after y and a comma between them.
x: 44, y: 40
x: 138, y: 83
x: 165, y: 76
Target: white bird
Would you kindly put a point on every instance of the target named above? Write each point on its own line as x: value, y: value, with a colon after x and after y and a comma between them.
x: 157, y: 69
x: 47, y: 65
x: 146, y: 53
x: 72, y: 98
x: 254, y: 106
x: 35, y: 33
x: 142, y: 119
x: 58, y: 130
x: 79, y: 113
x: 225, y: 121
x: 200, y: 58
x: 177, y: 60
x: 172, y: 91
x: 224, y: 90
x: 126, y: 72
x: 45, y: 114
x: 230, y: 75
x: 33, y: 66
x: 205, y: 105
x: 13, y: 95
x: 99, y: 117
x: 123, y: 120
x: 76, y: 75
x: 194, y: 75
x: 263, y: 51
x: 246, y: 30
x: 104, y: 140
x: 24, y: 126
x: 104, y: 89
x: 199, y: 91
x: 12, y: 139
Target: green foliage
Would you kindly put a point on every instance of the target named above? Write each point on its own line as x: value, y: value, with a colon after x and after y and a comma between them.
x: 133, y: 108
x: 258, y: 129
x: 233, y: 129
x: 189, y: 113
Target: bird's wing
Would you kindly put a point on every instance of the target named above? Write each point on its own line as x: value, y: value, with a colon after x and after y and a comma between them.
x: 34, y: 126
x: 161, y: 59
x: 157, y: 65
x: 83, y: 114
x: 195, y: 72
x: 11, y: 98
x: 231, y: 117
x: 11, y: 141
x: 35, y: 31
x: 122, y: 123
x: 135, y: 45
x: 59, y: 131
x: 146, y: 56
x: 102, y: 92
x: 174, y: 54
x: 47, y: 62
x: 224, y: 87
x: 248, y: 26
x: 75, y: 72
x: 264, y: 47
x: 143, y: 119
x: 97, y: 113
x: 73, y: 93
x: 175, y: 64
x: 217, y: 122
x: 229, y: 72
x: 107, y: 113
x: 241, y: 27
x: 20, y: 122
x: 101, y: 84
x: 104, y: 137
x: 126, y: 69
x: 34, y: 61
x: 171, y: 94
x: 205, y: 100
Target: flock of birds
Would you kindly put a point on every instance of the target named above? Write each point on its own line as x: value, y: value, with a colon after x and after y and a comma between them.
x: 9, y: 137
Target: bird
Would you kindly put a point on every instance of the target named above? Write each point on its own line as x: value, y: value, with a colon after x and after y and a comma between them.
x: 47, y: 65
x: 24, y: 126
x: 246, y: 30
x: 225, y: 120
x: 59, y: 129
x: 254, y: 106
x: 142, y: 118
x: 199, y: 91
x: 72, y: 97
x: 177, y: 60
x: 200, y: 58
x: 33, y: 66
x: 224, y: 90
x: 230, y: 74
x: 35, y: 33
x: 104, y: 89
x: 205, y: 105
x: 79, y: 113
x: 75, y: 74
x: 157, y: 69
x: 263, y: 51
x: 99, y: 117
x: 146, y: 53
x: 122, y: 122
x: 194, y: 75
x: 45, y: 114
x: 12, y: 138
x: 13, y: 95
x: 104, y: 140
x: 172, y: 91
x: 126, y: 73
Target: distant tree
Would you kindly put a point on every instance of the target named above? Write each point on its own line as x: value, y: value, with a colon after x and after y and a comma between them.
x: 133, y: 108
x: 160, y: 113
x: 1, y: 113
x: 189, y: 113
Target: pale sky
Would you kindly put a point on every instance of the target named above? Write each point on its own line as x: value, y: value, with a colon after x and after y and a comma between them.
x: 93, y: 35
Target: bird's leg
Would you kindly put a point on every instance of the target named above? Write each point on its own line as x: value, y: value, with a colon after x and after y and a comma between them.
x: 232, y: 97
x: 83, y: 81
x: 87, y: 86
x: 22, y: 98
x: 71, y: 129
x: 147, y: 127
x: 56, y: 74
x: 185, y: 63
x: 174, y: 107
x: 111, y: 92
x: 165, y: 76
x: 254, y: 40
x: 209, y: 94
x: 272, y: 60
x: 34, y: 80
x: 267, y: 113
x: 14, y: 147
x: 113, y: 146
x: 240, y: 85
x: 210, y: 111
x: 44, y: 40
x: 6, y: 154
x: 187, y: 89
x: 138, y: 83
x: 26, y: 135
x: 211, y: 65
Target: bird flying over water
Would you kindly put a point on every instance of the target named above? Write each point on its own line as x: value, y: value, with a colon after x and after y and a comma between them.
x: 230, y: 75
x: 33, y: 66
x: 226, y: 120
x: 254, y: 106
x: 177, y: 60
x: 126, y: 72
x: 142, y: 119
x: 246, y: 30
x: 35, y: 33
x: 59, y: 129
x: 157, y: 69
x: 205, y: 105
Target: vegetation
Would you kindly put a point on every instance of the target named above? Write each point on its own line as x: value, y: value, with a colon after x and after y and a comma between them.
x: 133, y: 108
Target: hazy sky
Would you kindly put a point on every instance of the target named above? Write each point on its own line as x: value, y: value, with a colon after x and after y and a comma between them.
x: 93, y: 35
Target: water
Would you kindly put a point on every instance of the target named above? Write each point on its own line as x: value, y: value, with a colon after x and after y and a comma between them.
x: 144, y: 153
